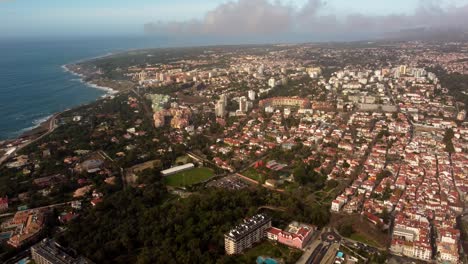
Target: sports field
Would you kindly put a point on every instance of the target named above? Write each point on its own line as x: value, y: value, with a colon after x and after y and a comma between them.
x: 189, y: 177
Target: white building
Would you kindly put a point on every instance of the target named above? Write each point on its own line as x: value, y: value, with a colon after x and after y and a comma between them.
x: 220, y: 109
x: 243, y: 106
x: 402, y: 69
x: 252, y: 95
x: 269, y: 109
x: 461, y: 115
x: 177, y: 169
x: 261, y: 69
x: 246, y: 234
x: 272, y: 82
x: 223, y: 98
x: 336, y: 205
x: 423, y: 252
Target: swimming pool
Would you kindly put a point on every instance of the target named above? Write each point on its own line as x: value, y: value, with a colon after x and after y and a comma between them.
x: 262, y: 260
x: 4, y: 236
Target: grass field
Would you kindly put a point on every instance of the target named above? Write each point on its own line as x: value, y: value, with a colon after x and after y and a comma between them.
x: 189, y: 177
x: 252, y: 174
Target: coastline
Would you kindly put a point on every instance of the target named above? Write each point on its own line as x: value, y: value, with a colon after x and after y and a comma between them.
x: 109, y: 90
x: 40, y: 125
x: 47, y: 124
x: 13, y: 146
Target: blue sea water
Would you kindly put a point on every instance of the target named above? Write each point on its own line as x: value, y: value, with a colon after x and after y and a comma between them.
x: 33, y: 84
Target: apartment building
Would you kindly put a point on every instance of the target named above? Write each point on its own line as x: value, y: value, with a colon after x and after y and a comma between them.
x: 246, y: 234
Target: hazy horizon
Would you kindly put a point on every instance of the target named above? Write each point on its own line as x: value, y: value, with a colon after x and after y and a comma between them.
x: 239, y: 21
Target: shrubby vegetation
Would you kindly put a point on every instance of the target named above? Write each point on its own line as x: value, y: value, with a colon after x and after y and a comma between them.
x: 456, y: 83
x: 151, y: 226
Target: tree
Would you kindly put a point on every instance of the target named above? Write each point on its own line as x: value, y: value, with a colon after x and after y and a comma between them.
x: 332, y: 184
x: 383, y: 174
x: 346, y: 165
x: 346, y: 230
x: 380, y: 257
x: 300, y: 175
x: 385, y: 215
x: 449, y: 134
x: 320, y: 215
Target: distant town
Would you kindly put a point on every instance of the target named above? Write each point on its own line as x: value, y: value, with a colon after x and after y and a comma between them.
x: 311, y: 153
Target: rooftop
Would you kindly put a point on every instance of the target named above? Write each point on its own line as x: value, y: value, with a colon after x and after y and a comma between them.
x: 54, y: 253
x: 248, y: 226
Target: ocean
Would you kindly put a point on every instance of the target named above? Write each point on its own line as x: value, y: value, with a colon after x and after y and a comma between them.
x: 34, y: 85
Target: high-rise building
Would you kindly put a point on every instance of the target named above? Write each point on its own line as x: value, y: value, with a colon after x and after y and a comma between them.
x: 49, y: 252
x: 141, y: 76
x: 261, y: 69
x: 249, y: 105
x: 419, y: 73
x: 246, y: 234
x: 252, y: 95
x: 402, y: 69
x: 223, y: 98
x: 243, y: 107
x: 220, y: 109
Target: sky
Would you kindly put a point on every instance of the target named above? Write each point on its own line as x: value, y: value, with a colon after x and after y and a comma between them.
x: 242, y: 18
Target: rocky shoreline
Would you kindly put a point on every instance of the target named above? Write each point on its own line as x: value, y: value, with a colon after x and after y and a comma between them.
x: 110, y: 87
x: 73, y: 69
x: 43, y: 127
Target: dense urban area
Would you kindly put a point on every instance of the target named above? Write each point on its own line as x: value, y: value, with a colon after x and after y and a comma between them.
x: 311, y: 153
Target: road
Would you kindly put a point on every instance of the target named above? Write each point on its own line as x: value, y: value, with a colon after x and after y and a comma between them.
x: 308, y: 251
x: 322, y: 249
x: 199, y: 158
x: 51, y: 126
x: 146, y: 108
x: 23, y: 254
x: 38, y: 208
x: 6, y: 214
x: 318, y: 254
x: 329, y: 256
x: 123, y: 178
x: 273, y: 208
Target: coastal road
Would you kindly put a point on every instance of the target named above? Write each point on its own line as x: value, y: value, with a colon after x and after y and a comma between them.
x: 5, y: 158
x: 51, y: 125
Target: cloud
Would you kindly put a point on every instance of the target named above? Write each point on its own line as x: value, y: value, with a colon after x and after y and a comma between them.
x: 244, y: 17
x: 267, y: 18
